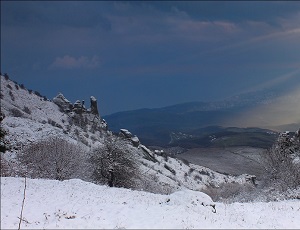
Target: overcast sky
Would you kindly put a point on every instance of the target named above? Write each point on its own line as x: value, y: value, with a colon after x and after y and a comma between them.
x: 133, y: 55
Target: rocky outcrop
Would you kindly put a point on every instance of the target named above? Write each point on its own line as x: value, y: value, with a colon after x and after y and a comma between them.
x: 63, y: 103
x: 135, y: 141
x: 79, y: 114
x: 148, y: 154
x: 125, y: 133
x: 79, y: 107
x: 94, y: 107
x: 104, y: 124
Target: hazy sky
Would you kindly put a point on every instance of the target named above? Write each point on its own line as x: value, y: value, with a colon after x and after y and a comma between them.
x: 133, y: 55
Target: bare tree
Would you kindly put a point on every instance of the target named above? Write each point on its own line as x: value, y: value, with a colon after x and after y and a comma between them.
x: 52, y: 158
x: 114, y: 164
x: 282, y: 167
x: 3, y: 142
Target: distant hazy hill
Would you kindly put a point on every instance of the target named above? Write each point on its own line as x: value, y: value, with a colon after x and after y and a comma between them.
x: 184, y: 124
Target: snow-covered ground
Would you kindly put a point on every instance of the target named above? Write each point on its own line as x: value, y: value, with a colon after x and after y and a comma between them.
x: 74, y: 203
x: 77, y: 204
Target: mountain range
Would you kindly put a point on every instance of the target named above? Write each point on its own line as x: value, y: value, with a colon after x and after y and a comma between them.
x: 198, y: 124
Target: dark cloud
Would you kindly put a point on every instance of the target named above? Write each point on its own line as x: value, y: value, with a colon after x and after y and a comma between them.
x: 71, y: 14
x: 173, y: 51
x: 229, y: 10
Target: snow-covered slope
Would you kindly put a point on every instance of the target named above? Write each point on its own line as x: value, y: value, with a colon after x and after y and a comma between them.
x: 75, y: 204
x: 29, y: 117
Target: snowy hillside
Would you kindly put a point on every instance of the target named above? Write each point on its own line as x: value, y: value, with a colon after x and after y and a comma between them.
x: 30, y: 117
x: 167, y: 192
x: 74, y: 204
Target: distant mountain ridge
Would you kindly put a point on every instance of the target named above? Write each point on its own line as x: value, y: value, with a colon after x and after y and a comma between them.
x: 156, y: 126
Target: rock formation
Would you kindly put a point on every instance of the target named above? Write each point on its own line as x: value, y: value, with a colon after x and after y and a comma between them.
x: 125, y: 133
x: 63, y: 103
x: 94, y: 107
x: 135, y: 141
x: 78, y: 106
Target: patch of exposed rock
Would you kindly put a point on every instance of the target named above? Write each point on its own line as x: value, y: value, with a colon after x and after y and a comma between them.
x: 63, y: 103
x: 126, y: 134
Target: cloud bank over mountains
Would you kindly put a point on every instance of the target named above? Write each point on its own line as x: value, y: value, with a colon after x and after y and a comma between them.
x: 182, y: 51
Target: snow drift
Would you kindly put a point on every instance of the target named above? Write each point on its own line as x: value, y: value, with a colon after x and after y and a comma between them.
x: 77, y: 204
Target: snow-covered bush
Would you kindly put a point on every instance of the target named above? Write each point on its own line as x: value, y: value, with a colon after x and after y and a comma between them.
x: 27, y: 110
x: 52, y: 158
x: 280, y: 161
x: 12, y: 97
x: 114, y: 164
x: 3, y: 142
x: 170, y: 169
x: 184, y: 161
x: 4, y: 166
x: 6, y: 76
x: 232, y: 192
x: 16, y: 112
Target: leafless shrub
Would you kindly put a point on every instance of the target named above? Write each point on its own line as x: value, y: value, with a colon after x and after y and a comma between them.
x: 114, y: 164
x: 203, y: 172
x: 16, y: 113
x: 11, y: 96
x: 198, y: 177
x: 170, y: 169
x: 6, y: 76
x: 5, y: 167
x: 52, y: 158
x: 3, y: 142
x: 38, y: 93
x: 186, y: 162
x: 54, y: 123
x: 231, y: 192
x: 76, y: 132
x: 93, y: 138
x: 191, y: 170
x: 83, y: 140
x: 26, y: 110
x: 165, y: 156
x: 281, y: 169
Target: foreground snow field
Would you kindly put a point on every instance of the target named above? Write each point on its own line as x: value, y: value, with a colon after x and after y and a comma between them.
x: 74, y: 203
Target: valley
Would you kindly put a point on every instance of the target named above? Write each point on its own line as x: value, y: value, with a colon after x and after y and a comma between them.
x: 232, y: 160
x: 197, y: 124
